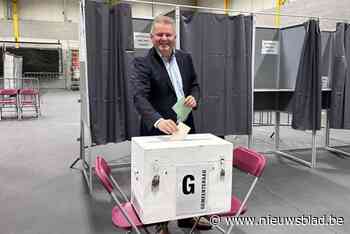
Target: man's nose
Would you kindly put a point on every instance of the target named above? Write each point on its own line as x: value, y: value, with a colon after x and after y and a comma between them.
x: 164, y: 37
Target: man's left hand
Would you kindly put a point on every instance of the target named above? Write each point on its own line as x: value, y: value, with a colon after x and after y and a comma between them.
x: 190, y: 101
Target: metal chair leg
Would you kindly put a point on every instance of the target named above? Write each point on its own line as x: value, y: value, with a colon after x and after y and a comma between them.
x: 36, y: 111
x: 38, y: 103
x: 18, y: 106
x: 18, y: 110
x: 195, y: 224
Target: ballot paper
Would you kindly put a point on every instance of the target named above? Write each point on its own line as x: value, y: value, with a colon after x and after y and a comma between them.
x: 181, y: 133
x: 181, y: 110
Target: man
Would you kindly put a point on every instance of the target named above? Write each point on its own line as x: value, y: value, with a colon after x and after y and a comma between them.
x: 160, y: 79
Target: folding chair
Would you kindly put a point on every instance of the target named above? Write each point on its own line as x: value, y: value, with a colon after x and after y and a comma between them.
x: 29, y: 98
x: 9, y: 99
x: 123, y: 214
x: 252, y: 163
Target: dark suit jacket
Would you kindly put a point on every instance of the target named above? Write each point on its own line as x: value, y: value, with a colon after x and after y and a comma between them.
x: 153, y: 92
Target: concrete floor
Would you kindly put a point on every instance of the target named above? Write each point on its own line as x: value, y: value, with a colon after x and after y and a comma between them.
x: 40, y: 194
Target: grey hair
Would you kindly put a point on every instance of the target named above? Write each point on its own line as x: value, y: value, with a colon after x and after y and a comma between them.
x: 162, y: 19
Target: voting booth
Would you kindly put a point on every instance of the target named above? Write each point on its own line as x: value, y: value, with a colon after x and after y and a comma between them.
x: 179, y: 179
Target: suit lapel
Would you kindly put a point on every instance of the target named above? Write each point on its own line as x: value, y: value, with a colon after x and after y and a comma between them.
x: 163, y: 71
x: 180, y: 63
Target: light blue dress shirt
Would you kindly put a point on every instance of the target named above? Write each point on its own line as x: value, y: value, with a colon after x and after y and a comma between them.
x: 175, y: 77
x: 174, y: 74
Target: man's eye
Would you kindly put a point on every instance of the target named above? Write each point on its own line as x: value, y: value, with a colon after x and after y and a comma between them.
x: 161, y: 35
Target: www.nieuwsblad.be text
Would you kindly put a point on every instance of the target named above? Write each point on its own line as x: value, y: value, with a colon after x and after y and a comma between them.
x: 301, y: 220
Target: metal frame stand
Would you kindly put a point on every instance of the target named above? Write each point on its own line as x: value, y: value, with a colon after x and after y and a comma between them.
x: 311, y: 164
x: 327, y: 140
x: 86, y: 165
x: 250, y: 136
x: 87, y: 160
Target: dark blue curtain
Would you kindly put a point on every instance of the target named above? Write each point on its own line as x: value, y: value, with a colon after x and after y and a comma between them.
x: 340, y: 76
x: 108, y: 37
x: 221, y: 49
x: 306, y: 108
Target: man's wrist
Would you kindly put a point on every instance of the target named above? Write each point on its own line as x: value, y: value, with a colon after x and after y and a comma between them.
x: 157, y: 122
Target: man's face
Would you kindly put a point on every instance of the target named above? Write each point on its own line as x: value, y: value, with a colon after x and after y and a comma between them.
x: 164, y: 38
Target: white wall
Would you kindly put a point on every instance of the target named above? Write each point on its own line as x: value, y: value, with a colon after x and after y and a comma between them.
x: 251, y: 5
x: 238, y: 5
x: 321, y: 8
x: 72, y: 10
x: 48, y: 10
x: 40, y: 30
x: 308, y: 8
x: 44, y: 19
x: 2, y: 10
x: 44, y: 10
x: 148, y: 11
x: 211, y: 4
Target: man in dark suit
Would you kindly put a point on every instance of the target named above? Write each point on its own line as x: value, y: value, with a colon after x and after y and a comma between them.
x: 162, y: 77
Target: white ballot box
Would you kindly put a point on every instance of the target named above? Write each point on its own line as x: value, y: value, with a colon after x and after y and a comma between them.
x: 179, y: 179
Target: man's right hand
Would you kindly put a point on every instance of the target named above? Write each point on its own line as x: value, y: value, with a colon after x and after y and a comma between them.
x: 167, y: 126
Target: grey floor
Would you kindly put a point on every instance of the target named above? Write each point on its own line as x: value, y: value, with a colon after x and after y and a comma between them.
x: 40, y: 194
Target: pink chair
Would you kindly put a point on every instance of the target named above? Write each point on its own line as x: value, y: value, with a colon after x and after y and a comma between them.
x: 123, y: 214
x: 9, y: 99
x: 252, y: 163
x: 29, y: 99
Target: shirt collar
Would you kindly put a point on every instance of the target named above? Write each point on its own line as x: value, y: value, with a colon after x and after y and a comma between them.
x: 163, y: 58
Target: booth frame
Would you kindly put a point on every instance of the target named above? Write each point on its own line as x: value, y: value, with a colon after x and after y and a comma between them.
x: 86, y: 146
x: 86, y: 143
x: 327, y: 140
